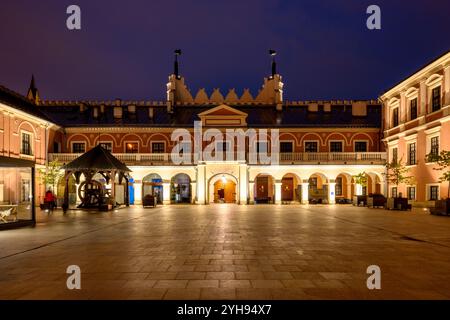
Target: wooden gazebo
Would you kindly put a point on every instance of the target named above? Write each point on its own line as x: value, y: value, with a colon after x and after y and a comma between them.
x: 92, y: 192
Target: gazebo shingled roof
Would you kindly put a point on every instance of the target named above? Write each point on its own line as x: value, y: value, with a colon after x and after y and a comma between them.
x: 96, y: 159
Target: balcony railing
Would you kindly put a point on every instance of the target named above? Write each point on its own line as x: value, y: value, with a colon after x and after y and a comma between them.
x: 285, y: 158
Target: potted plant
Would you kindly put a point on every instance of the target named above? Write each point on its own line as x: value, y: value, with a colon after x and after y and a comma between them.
x: 396, y: 174
x: 361, y: 180
x: 442, y: 161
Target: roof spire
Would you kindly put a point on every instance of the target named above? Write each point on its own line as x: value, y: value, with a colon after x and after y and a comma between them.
x: 273, y: 53
x: 33, y: 93
x: 177, y: 53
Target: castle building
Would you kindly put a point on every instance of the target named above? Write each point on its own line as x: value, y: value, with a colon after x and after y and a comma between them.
x: 321, y: 145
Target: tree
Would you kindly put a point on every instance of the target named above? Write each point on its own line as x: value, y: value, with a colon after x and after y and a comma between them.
x: 442, y: 161
x: 397, y: 173
x: 361, y: 178
x: 51, y: 174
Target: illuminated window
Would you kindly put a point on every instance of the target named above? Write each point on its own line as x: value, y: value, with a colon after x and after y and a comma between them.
x: 338, y: 187
x: 131, y: 147
x: 394, y: 192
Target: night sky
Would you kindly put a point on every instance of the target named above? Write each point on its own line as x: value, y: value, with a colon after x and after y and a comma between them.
x: 125, y: 48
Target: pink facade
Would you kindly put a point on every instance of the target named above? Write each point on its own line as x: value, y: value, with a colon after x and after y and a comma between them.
x: 416, y: 123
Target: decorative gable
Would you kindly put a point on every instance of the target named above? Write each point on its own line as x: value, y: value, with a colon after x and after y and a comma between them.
x: 223, y: 115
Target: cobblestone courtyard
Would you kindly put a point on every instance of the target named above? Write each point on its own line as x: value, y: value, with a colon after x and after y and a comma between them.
x: 229, y: 252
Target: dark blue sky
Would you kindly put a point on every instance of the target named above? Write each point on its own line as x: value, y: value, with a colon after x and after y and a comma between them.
x: 124, y: 49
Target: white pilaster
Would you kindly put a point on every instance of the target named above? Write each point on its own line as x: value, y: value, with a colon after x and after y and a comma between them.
x: 166, y: 192
x: 332, y: 192
x: 251, y: 191
x: 243, y: 185
x: 305, y: 192
x: 423, y: 98
x: 278, y: 192
x: 193, y: 191
x: 201, y: 187
x: 137, y: 193
x: 447, y: 85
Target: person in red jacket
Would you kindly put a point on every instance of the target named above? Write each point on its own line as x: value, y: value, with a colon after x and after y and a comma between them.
x: 50, y: 199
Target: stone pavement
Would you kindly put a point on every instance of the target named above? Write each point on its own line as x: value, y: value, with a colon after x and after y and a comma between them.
x: 229, y: 252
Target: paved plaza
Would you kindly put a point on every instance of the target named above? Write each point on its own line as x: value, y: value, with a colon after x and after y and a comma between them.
x: 229, y: 252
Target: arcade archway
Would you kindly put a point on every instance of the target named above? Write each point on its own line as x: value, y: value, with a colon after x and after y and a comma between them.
x: 223, y: 188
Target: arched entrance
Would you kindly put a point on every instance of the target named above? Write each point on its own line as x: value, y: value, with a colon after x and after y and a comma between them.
x: 343, y: 188
x: 180, y: 189
x: 152, y: 186
x: 223, y: 188
x: 318, y: 189
x: 290, y: 188
x: 264, y: 189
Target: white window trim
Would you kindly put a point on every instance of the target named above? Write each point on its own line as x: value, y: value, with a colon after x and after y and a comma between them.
x: 390, y: 191
x: 367, y: 145
x: 432, y: 133
x: 408, y: 143
x: 414, y: 96
x: 72, y: 143
x: 158, y: 141
x: 428, y: 193
x: 306, y: 141
x: 131, y: 141
x: 31, y: 143
x: 415, y: 193
x: 433, y: 85
x: 391, y: 153
x: 391, y: 116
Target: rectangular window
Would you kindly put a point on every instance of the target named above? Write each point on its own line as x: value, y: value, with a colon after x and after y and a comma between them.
x: 311, y: 146
x: 394, y: 155
x: 434, y: 193
x: 394, y: 192
x: 412, y: 154
x: 338, y: 187
x: 26, y: 144
x: 436, y: 99
x: 131, y: 147
x: 286, y: 147
x: 413, y: 109
x: 434, y: 143
x: 336, y: 146
x: 411, y: 193
x: 158, y: 147
x: 106, y: 145
x: 395, y: 117
x: 78, y: 147
x: 360, y: 146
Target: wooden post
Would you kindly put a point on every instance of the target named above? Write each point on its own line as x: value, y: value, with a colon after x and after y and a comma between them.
x: 113, y: 186
x: 65, y: 205
x: 127, y: 193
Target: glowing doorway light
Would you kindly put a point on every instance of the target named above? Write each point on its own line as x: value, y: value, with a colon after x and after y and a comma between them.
x: 224, y: 179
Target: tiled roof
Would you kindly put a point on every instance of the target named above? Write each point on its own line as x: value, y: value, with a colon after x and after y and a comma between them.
x: 184, y: 116
x: 19, y: 102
